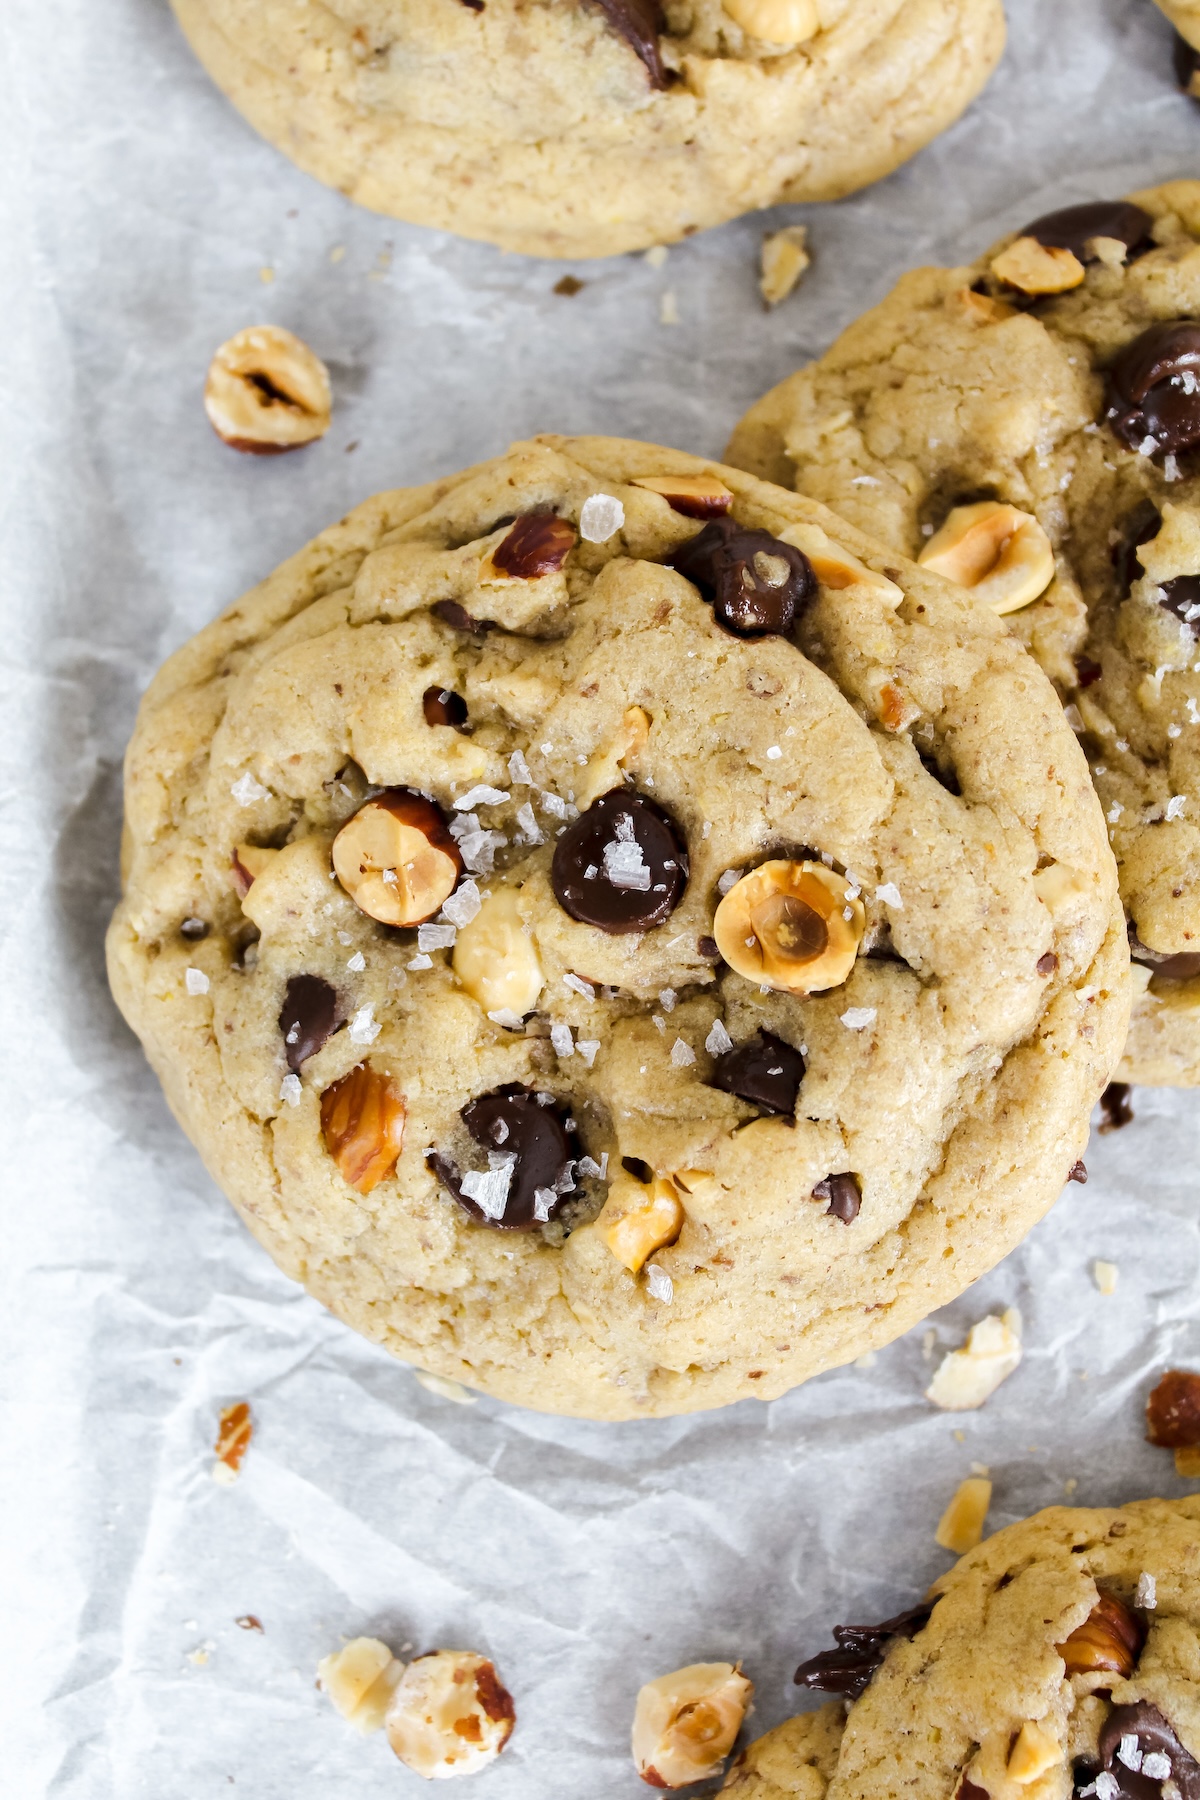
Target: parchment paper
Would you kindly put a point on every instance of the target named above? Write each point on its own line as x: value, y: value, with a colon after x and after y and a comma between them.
x: 141, y: 222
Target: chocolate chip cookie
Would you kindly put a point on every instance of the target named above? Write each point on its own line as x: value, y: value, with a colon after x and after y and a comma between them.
x: 1058, y: 1658
x: 1029, y: 424
x: 588, y: 127
x: 622, y: 940
x: 1185, y: 17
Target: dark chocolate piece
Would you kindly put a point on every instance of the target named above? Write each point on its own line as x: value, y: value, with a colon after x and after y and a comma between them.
x: 1073, y: 227
x: 308, y: 1018
x: 639, y: 22
x: 843, y: 1194
x: 442, y: 706
x: 1114, y: 1107
x: 766, y: 1071
x: 1154, y: 388
x: 1173, y: 1411
x: 513, y: 1122
x: 860, y: 1650
x: 754, y: 582
x: 622, y: 865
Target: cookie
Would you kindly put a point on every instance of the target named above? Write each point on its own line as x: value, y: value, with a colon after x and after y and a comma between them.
x: 1185, y: 17
x: 623, y: 941
x: 581, y: 128
x: 1079, y: 409
x: 1058, y: 1657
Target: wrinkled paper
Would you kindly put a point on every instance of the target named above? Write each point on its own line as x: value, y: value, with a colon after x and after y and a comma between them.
x: 143, y: 223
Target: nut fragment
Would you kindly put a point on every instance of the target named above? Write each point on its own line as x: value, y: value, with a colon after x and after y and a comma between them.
x: 981, y: 309
x: 784, y: 260
x: 776, y: 21
x: 836, y: 567
x: 640, y: 1218
x: 785, y: 925
x: 495, y: 957
x: 1035, y: 268
x: 1000, y: 553
x: 267, y: 392
x: 967, y: 1377
x: 247, y: 863
x: 360, y: 1679
x: 396, y: 858
x: 684, y: 1724
x: 234, y: 1432
x: 960, y: 1527
x: 695, y: 496
x: 1110, y: 1639
x: 362, y: 1125
x: 603, y: 771
x: 1034, y: 1751
x: 536, y: 544
x: 449, y: 1715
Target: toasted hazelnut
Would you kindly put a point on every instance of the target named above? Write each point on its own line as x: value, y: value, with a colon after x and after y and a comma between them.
x: 684, y: 1725
x: 496, y: 959
x: 1034, y: 1751
x: 640, y: 1217
x: 1035, y: 268
x: 396, y: 858
x: 360, y: 1679
x: 960, y: 1527
x: 997, y: 551
x: 247, y: 864
x: 966, y: 1377
x: 785, y: 925
x: 1059, y: 887
x: 604, y: 768
x: 695, y: 496
x: 1110, y: 1639
x: 982, y: 309
x: 776, y: 21
x: 449, y: 1715
x: 835, y: 567
x: 784, y: 260
x: 362, y: 1125
x: 266, y: 392
x: 536, y: 544
x: 234, y: 1432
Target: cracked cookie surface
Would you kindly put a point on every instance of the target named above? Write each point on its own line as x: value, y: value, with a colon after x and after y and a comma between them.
x: 960, y: 388
x: 549, y: 1141
x: 591, y: 127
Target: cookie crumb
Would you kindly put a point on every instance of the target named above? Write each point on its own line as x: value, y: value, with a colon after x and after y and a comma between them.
x: 785, y: 259
x: 1105, y: 1276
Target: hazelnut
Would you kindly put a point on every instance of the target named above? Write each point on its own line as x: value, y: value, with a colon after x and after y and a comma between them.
x: 684, y: 1725
x: 536, y: 544
x: 449, y: 1714
x: 362, y: 1125
x: 1000, y: 553
x: 966, y: 1377
x: 785, y: 925
x: 776, y: 21
x: 695, y: 496
x: 1059, y: 887
x: 960, y: 1527
x: 1110, y: 1639
x: 360, y: 1679
x: 835, y: 567
x: 234, y: 1431
x: 396, y: 858
x: 246, y: 865
x: 496, y: 959
x: 640, y: 1217
x: 981, y: 309
x: 1034, y: 1751
x: 266, y: 392
x: 1035, y: 268
x: 603, y: 771
x: 784, y: 260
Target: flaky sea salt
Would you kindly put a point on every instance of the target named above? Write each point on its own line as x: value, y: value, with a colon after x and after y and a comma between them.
x: 666, y: 999
x: 543, y: 1203
x: 718, y: 1040
x: 518, y: 770
x: 364, y: 1026
x: 246, y: 790
x: 1147, y: 1591
x: 562, y: 1039
x: 480, y: 796
x: 1175, y: 806
x: 659, y: 1283
x: 624, y: 864
x: 857, y: 1018
x: 420, y: 962
x: 587, y: 1048
x: 195, y: 981
x: 504, y: 1015
x: 357, y: 962
x: 889, y: 893
x: 528, y: 830
x: 1156, y: 1766
x: 436, y: 937
x: 600, y: 516
x: 682, y: 1054
x: 463, y: 904
x: 488, y: 1188
x: 289, y: 1090
x: 552, y: 803
x: 774, y: 753
x: 578, y: 986
x: 729, y: 879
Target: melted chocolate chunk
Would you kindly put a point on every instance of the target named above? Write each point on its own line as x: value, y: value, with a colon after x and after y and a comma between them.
x: 1073, y: 227
x: 194, y: 929
x: 641, y: 1171
x: 1143, y: 523
x: 767, y: 1072
x: 1115, y: 1109
x: 308, y: 1018
x: 1173, y: 1411
x: 451, y: 613
x: 1154, y: 388
x: 1181, y: 596
x: 1078, y: 1172
x: 442, y: 706
x: 754, y: 582
x: 860, y: 1650
x: 533, y: 1151
x: 971, y: 1790
x: 622, y: 865
x: 1086, y: 672
x: 844, y: 1196
x: 1157, y: 1747
x: 639, y: 22
x: 1187, y: 62
x: 1172, y: 965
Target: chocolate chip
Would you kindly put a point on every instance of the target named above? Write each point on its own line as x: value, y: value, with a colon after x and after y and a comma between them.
x: 442, y: 706
x: 1078, y: 1172
x: 622, y: 865
x: 1073, y: 227
x: 1177, y: 965
x: 1047, y: 963
x: 639, y: 22
x: 767, y: 1072
x: 849, y: 1668
x: 844, y: 1196
x: 1115, y: 1109
x: 1143, y: 523
x: 194, y: 929
x: 944, y: 776
x: 708, y: 948
x: 1086, y: 672
x: 569, y: 285
x: 1154, y: 390
x: 754, y: 582
x: 530, y: 1137
x: 1155, y: 1738
x: 970, y: 1790
x: 641, y: 1171
x: 537, y: 544
x: 1186, y: 61
x: 308, y: 1018
x: 1181, y: 596
x: 456, y: 616
x: 1173, y: 1411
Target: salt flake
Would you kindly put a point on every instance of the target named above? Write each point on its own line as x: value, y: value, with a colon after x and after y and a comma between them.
x: 195, y: 981
x: 357, y: 962
x: 562, y: 1039
x: 289, y: 1090
x: 420, y: 962
x: 1147, y: 1591
x: 518, y: 770
x: 857, y: 1018
x: 889, y: 893
x: 436, y: 937
x: 600, y: 517
x: 587, y: 1048
x: 246, y: 790
x: 718, y: 1040
x: 659, y: 1284
x: 682, y: 1054
x: 463, y: 905
x: 364, y: 1027
x: 480, y: 796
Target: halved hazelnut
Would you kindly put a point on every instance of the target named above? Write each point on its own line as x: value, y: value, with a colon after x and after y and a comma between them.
x: 536, y: 544
x: 450, y: 1714
x: 695, y: 496
x: 360, y: 1679
x: 246, y: 865
x: 267, y: 392
x: 496, y: 959
x: 603, y: 771
x: 997, y: 551
x: 362, y: 1125
x: 1034, y: 1751
x: 640, y: 1217
x: 396, y: 858
x: 1110, y: 1639
x: 1035, y: 268
x: 685, y: 1724
x: 776, y: 21
x: 836, y: 567
x: 791, y: 925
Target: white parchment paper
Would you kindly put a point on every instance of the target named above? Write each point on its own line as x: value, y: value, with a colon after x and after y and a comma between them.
x: 141, y: 222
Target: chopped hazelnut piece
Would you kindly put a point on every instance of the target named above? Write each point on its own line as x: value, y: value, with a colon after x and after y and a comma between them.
x: 784, y: 925
x: 603, y: 771
x: 496, y: 959
x: 695, y: 496
x: 1059, y: 887
x: 362, y: 1125
x: 247, y: 863
x: 776, y: 21
x: 266, y: 392
x: 685, y: 1724
x: 784, y: 260
x: 967, y: 1377
x: 836, y: 567
x: 1105, y: 1276
x: 640, y: 1217
x: 396, y: 858
x: 982, y: 309
x: 960, y: 1527
x: 1034, y: 1751
x: 234, y: 1432
x: 1110, y: 1639
x: 1001, y: 554
x: 1035, y: 268
x: 449, y: 1714
x: 360, y: 1679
